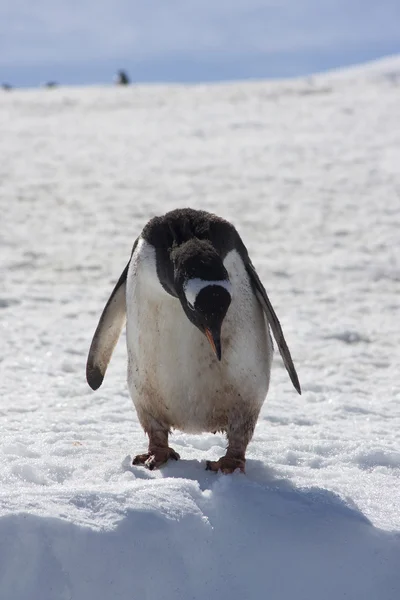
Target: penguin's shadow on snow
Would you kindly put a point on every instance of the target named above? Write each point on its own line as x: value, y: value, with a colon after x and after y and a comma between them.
x: 257, y: 475
x: 195, y: 470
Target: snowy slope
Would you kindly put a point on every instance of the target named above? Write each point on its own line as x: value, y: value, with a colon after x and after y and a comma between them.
x: 308, y: 170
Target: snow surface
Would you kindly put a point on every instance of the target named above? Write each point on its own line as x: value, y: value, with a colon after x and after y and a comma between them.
x: 309, y: 171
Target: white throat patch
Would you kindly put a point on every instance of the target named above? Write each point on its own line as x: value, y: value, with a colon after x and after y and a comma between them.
x: 193, y: 286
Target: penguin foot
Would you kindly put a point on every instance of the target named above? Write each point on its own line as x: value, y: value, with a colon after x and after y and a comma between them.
x: 226, y: 464
x: 156, y: 458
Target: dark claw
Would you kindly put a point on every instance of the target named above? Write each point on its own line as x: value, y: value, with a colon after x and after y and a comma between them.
x: 155, y: 460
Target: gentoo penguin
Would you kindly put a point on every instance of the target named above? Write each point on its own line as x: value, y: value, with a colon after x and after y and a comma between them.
x: 122, y: 78
x: 198, y: 335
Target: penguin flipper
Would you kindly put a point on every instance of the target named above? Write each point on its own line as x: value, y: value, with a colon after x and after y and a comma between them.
x: 107, y: 333
x: 274, y: 324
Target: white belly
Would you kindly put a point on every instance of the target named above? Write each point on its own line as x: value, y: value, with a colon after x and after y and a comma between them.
x: 173, y: 374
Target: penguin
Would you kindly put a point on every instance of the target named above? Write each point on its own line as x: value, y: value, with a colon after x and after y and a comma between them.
x: 199, y: 346
x: 122, y: 78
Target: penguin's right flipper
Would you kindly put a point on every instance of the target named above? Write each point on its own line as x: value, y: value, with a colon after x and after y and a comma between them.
x: 274, y: 324
x: 107, y: 333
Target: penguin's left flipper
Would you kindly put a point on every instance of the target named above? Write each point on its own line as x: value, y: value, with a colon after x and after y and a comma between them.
x: 107, y: 333
x: 274, y: 324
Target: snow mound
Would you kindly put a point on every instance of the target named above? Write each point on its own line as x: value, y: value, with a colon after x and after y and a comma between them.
x: 385, y: 69
x: 185, y: 538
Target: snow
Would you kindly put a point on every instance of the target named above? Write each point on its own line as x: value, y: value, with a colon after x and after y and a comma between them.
x: 308, y: 170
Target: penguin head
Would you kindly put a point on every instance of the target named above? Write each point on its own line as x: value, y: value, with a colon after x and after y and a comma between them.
x: 203, y: 288
x: 206, y: 303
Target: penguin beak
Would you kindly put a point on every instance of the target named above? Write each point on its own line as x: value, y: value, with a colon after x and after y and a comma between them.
x: 215, y: 342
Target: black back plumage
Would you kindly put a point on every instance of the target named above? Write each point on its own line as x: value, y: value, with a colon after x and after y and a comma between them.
x: 191, y: 238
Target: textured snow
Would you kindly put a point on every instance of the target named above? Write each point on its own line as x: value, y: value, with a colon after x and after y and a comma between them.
x: 308, y: 170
